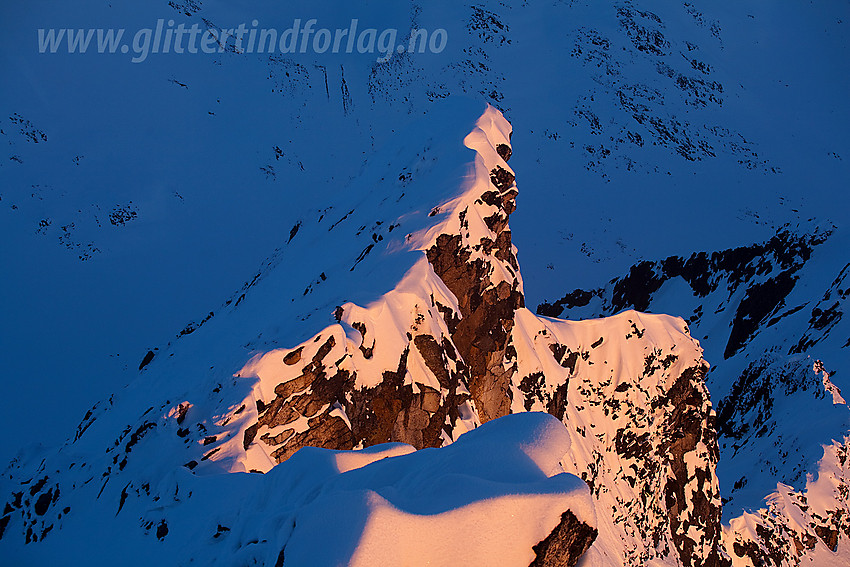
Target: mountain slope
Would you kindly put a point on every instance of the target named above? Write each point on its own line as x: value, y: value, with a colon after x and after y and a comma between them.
x: 176, y: 193
x: 226, y: 209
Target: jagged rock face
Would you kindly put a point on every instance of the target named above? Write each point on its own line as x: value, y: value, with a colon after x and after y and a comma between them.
x: 780, y: 258
x: 761, y: 312
x: 691, y: 493
x: 322, y: 407
x: 647, y: 446
x: 796, y: 525
x: 293, y: 401
x: 487, y: 313
x: 464, y: 358
x: 647, y: 81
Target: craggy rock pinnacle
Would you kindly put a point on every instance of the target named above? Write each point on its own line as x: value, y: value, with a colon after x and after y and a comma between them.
x: 468, y: 374
x: 487, y: 313
x: 646, y: 427
x: 487, y: 310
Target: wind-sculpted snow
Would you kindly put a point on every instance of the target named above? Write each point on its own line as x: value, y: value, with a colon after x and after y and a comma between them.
x: 401, y: 368
x: 155, y: 207
x: 488, y: 499
x: 473, y: 353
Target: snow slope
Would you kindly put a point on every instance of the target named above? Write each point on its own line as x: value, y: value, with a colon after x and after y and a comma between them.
x: 487, y: 499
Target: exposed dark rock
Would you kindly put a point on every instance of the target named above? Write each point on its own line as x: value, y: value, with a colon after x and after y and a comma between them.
x: 367, y: 351
x: 557, y: 405
x: 577, y: 298
x: 326, y: 431
x: 501, y: 178
x: 703, y: 271
x: 362, y: 255
x: 182, y: 410
x: 644, y: 29
x: 761, y: 300
x: 123, y: 499
x: 828, y: 536
x: 250, y: 434
x: 630, y: 445
x: 492, y: 198
x: 532, y: 386
x: 477, y: 354
x: 86, y: 422
x: 826, y: 314
x: 122, y: 215
x: 43, y: 502
x: 147, y: 359
x: 748, y: 408
x: 637, y: 288
x: 37, y: 486
x: 220, y: 531
x: 138, y: 434
x: 391, y: 411
x: 211, y: 453
x: 482, y: 334
x: 293, y: 357
x: 566, y: 544
x: 434, y: 356
x: 688, y: 426
x: 294, y: 231
x: 504, y: 151
x: 281, y: 557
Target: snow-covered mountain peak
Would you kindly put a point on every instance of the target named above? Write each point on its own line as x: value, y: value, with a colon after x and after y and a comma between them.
x: 449, y: 347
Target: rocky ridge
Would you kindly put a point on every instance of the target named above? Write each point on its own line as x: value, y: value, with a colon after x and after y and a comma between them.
x: 469, y: 352
x: 450, y: 347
